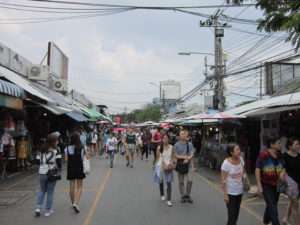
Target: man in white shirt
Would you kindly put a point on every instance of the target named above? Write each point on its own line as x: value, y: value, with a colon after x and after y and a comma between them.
x: 111, y: 144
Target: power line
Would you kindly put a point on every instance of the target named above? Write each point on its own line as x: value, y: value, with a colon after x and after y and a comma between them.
x: 142, y: 7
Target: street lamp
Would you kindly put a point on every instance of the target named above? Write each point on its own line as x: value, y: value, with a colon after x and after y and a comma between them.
x: 154, y: 84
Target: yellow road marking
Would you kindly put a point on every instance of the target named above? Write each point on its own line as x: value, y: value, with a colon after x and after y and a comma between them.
x: 243, y: 206
x: 100, y: 191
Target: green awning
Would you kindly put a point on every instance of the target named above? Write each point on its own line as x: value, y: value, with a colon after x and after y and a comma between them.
x: 92, y: 114
x: 108, y: 118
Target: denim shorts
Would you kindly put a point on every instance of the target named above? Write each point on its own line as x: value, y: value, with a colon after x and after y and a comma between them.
x: 293, y: 189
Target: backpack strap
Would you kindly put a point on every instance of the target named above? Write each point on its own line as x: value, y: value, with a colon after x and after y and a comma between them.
x: 187, y: 148
x: 50, y: 158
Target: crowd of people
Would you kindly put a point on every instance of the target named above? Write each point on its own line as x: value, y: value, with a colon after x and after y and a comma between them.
x: 174, y: 152
x: 275, y: 173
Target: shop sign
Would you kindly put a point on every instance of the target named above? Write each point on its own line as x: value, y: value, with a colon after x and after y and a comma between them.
x: 13, y: 61
x: 58, y: 62
x: 11, y: 102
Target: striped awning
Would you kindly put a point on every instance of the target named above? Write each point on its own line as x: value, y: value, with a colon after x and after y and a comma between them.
x: 11, y: 89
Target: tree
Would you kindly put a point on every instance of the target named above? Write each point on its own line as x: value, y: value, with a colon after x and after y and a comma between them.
x: 148, y: 112
x: 279, y: 15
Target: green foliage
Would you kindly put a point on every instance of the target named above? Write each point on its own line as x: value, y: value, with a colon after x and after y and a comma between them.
x: 149, y: 112
x: 281, y: 15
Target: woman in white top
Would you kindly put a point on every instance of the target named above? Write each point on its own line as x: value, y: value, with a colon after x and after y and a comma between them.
x: 232, y: 182
x: 48, y: 159
x: 165, y: 164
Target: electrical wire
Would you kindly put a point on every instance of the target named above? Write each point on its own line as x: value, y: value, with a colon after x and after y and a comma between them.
x: 141, y: 7
x: 65, y: 18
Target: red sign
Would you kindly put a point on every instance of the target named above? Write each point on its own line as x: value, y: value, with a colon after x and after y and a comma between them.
x: 117, y: 120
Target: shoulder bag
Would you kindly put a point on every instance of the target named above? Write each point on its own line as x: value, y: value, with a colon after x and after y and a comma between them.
x: 181, y: 167
x: 86, y: 164
x: 52, y: 174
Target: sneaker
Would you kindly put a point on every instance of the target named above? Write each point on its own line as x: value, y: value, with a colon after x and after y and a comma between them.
x: 127, y: 164
x: 169, y: 203
x: 285, y: 221
x: 189, y: 200
x: 131, y: 166
x: 37, y: 212
x: 76, y: 208
x: 49, y: 213
x: 163, y: 198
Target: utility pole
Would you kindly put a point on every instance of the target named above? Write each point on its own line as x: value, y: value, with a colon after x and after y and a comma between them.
x: 206, y: 67
x: 219, y: 67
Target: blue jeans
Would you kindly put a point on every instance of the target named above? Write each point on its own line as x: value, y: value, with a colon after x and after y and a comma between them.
x: 45, y: 187
x: 271, y: 197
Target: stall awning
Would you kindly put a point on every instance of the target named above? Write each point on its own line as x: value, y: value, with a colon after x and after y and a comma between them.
x: 11, y: 89
x: 264, y: 111
x: 77, y: 116
x: 57, y: 110
x: 11, y: 102
x: 23, y: 83
x: 92, y: 114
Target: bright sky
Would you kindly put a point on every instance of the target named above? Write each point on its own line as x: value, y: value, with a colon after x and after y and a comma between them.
x: 114, y: 58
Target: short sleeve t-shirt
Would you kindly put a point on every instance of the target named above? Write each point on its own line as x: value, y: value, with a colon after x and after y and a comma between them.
x: 48, y: 160
x: 112, y: 144
x: 234, y: 180
x: 182, y: 149
x: 292, y: 166
x: 131, y: 139
x: 157, y: 137
x: 270, y: 168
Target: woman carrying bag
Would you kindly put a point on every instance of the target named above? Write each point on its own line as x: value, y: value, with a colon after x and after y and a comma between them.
x: 75, y: 155
x: 164, y: 168
x: 49, y: 160
x: 232, y: 182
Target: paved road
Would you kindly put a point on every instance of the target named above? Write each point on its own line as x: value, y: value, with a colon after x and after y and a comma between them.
x: 119, y: 196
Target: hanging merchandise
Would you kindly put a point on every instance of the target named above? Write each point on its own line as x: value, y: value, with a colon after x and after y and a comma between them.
x: 8, y: 145
x: 20, y: 128
x: 22, y: 152
x: 9, y: 123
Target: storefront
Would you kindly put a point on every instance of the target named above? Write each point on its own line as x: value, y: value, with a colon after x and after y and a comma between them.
x: 14, y: 148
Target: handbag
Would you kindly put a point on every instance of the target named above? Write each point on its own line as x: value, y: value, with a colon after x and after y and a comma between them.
x: 181, y: 167
x: 246, y: 183
x: 282, y: 186
x: 52, y: 174
x: 86, y: 165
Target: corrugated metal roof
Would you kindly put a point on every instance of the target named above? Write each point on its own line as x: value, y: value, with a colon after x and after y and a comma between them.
x: 264, y: 111
x: 284, y: 100
x: 11, y: 89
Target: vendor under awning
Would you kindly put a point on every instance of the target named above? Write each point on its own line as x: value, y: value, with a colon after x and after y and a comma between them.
x: 11, y: 96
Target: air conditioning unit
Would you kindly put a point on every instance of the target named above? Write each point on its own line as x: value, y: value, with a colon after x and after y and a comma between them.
x: 60, y: 85
x: 38, y: 72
